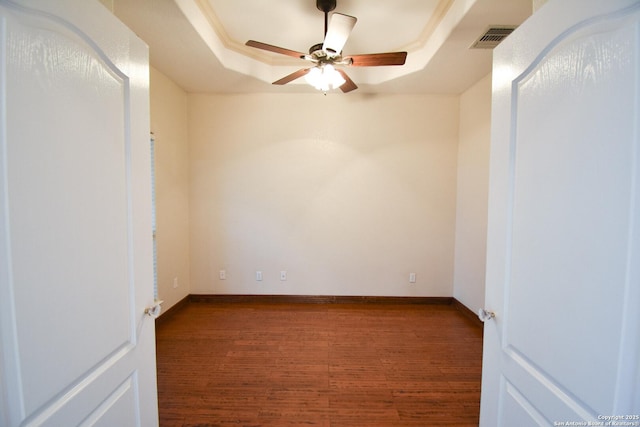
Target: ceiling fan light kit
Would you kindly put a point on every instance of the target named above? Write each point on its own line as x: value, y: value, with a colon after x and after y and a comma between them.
x: 324, y: 78
x: 325, y: 56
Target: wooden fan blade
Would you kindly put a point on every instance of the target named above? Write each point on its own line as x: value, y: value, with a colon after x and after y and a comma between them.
x: 338, y: 32
x: 348, y: 85
x: 276, y: 49
x: 378, y: 59
x: 291, y: 77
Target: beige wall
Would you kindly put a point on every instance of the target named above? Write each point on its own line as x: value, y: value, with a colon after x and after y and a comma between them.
x: 348, y: 194
x: 169, y: 124
x: 472, y: 194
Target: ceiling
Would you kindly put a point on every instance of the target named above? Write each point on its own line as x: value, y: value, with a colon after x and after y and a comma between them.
x: 199, y: 44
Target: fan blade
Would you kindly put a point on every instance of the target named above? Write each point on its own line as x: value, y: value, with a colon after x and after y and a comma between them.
x: 276, y: 49
x: 348, y: 85
x: 338, y: 32
x: 378, y: 59
x: 291, y: 77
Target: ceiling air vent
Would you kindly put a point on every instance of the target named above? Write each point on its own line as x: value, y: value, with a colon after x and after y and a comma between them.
x: 492, y: 37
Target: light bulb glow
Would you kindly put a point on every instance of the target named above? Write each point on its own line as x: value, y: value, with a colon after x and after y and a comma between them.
x: 324, y: 77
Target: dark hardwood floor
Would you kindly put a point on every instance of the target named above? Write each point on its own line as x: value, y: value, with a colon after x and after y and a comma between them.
x: 337, y: 365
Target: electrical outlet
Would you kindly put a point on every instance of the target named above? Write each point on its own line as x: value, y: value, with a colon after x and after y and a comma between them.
x: 259, y: 276
x: 412, y: 277
x: 175, y: 282
x: 223, y: 275
x: 283, y: 275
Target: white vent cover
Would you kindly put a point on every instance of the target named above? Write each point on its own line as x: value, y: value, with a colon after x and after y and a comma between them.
x: 492, y: 37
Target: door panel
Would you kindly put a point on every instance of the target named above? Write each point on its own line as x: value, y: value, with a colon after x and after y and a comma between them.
x: 571, y: 206
x: 563, y: 246
x: 118, y: 409
x: 79, y: 179
x: 76, y: 239
x: 518, y: 410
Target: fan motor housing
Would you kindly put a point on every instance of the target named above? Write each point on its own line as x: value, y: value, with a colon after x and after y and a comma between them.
x: 315, y: 48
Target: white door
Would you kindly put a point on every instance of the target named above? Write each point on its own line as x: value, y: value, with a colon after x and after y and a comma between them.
x: 563, y: 255
x: 75, y: 229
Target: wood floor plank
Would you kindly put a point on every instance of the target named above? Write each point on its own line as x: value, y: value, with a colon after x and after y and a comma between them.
x: 327, y: 365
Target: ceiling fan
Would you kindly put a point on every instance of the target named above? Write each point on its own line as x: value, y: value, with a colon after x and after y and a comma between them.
x: 325, y: 56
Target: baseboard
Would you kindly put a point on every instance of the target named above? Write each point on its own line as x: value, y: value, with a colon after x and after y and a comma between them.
x: 173, y: 310
x: 467, y: 312
x: 319, y: 299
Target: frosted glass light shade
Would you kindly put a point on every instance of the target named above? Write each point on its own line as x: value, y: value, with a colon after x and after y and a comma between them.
x: 324, y: 77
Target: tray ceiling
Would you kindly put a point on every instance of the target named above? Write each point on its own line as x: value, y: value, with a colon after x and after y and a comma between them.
x: 199, y: 44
